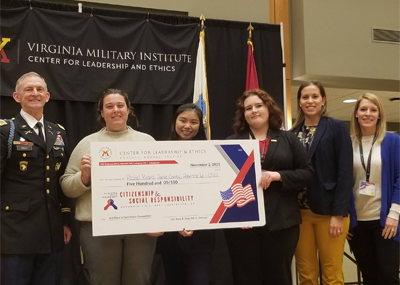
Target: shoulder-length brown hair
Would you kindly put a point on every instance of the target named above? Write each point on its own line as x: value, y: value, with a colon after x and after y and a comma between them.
x: 300, y: 114
x: 355, y: 130
x: 131, y: 111
x: 275, y: 119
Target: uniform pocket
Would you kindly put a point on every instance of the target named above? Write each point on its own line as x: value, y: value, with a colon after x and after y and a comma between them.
x: 58, y: 151
x: 15, y: 202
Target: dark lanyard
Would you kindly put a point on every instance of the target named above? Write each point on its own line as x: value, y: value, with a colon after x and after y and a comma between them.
x: 262, y: 154
x: 368, y: 168
x: 303, y: 138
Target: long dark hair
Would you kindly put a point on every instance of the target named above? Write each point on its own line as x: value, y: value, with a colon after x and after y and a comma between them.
x: 131, y: 112
x: 201, y: 134
x: 275, y: 119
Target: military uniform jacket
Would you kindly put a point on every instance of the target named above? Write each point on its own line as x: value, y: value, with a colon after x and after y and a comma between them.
x: 33, y: 207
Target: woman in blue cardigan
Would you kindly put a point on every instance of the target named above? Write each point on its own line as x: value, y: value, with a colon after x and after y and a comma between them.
x: 325, y: 204
x: 376, y: 189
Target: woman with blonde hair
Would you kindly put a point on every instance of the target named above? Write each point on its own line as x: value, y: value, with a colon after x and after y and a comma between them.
x: 325, y: 203
x: 374, y: 235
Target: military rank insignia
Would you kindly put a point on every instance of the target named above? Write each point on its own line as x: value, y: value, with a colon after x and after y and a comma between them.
x: 23, y: 165
x: 61, y: 127
x: 59, y: 141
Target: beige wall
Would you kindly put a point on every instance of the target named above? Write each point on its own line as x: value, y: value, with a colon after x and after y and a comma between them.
x: 234, y: 10
x: 333, y: 38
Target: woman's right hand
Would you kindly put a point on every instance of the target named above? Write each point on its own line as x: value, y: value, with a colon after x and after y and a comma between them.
x: 86, y: 166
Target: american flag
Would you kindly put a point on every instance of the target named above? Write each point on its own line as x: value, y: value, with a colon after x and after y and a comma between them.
x: 364, y: 184
x: 237, y: 194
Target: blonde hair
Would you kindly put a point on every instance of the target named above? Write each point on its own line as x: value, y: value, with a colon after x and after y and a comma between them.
x: 29, y: 74
x: 355, y: 130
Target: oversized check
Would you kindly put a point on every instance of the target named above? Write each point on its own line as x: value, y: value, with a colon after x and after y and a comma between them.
x: 141, y: 187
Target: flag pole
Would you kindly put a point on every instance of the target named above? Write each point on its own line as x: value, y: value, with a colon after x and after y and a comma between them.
x: 200, y: 91
x: 250, y: 28
x: 202, y: 19
x: 251, y: 74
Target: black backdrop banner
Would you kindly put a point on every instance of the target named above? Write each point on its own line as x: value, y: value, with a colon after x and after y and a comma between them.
x: 82, y: 55
x: 226, y: 60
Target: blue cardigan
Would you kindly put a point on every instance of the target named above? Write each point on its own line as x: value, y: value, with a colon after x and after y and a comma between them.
x: 390, y: 155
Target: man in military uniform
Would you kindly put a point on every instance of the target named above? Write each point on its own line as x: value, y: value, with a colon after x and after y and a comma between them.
x: 35, y: 214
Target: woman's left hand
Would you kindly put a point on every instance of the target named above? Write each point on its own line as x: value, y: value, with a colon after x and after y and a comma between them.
x: 336, y: 226
x: 157, y: 234
x: 390, y: 228
x: 267, y: 177
x: 186, y: 233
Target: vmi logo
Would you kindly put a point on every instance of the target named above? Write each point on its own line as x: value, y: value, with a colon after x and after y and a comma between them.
x: 3, y: 42
x: 105, y: 153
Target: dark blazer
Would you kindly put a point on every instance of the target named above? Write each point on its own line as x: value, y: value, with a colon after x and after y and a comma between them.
x: 31, y: 198
x: 331, y: 155
x: 286, y: 155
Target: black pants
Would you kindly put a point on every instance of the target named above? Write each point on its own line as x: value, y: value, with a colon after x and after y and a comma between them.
x: 262, y: 257
x: 31, y: 269
x: 185, y: 268
x: 378, y: 258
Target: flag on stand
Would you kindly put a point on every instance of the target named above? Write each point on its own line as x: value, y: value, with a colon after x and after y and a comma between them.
x: 251, y: 77
x: 237, y: 194
x: 200, y: 94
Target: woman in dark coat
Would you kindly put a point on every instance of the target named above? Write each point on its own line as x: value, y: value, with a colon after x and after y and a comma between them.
x: 263, y: 255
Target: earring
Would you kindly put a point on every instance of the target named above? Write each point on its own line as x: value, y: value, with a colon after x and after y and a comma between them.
x: 323, y: 105
x: 356, y: 116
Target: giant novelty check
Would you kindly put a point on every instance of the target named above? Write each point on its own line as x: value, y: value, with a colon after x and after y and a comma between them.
x: 141, y: 187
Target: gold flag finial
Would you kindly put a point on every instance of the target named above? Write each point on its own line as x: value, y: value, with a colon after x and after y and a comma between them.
x: 202, y: 19
x: 250, y: 28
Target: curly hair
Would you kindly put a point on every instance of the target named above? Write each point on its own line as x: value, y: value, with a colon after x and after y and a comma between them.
x: 110, y: 91
x: 275, y: 119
